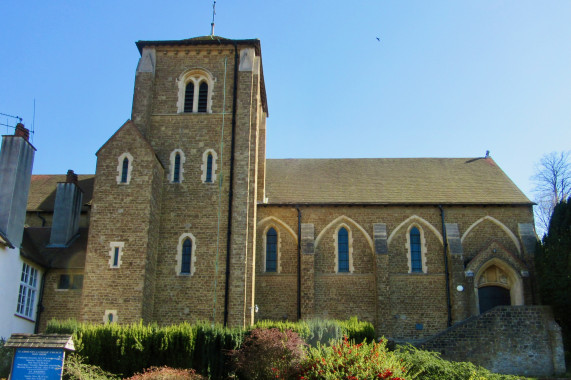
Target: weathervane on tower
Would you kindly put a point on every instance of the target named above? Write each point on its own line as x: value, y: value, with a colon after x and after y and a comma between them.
x: 213, y: 14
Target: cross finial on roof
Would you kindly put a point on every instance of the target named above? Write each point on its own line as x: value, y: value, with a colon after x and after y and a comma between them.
x: 213, y: 14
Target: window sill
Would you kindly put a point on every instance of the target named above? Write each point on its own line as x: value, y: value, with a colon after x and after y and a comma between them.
x: 24, y: 317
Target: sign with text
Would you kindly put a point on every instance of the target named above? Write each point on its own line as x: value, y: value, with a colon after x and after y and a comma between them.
x: 38, y: 364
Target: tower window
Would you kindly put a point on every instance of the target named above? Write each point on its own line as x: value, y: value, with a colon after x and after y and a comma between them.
x: 176, y: 169
x: 203, y: 97
x: 176, y: 172
x: 115, y: 254
x: 194, y: 91
x: 186, y: 256
x: 116, y: 257
x: 209, y: 168
x: 343, y: 250
x: 271, y: 250
x: 189, y: 97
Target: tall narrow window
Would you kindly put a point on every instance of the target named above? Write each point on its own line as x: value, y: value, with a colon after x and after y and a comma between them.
x: 27, y: 293
x: 176, y: 172
x: 116, y: 257
x: 125, y: 170
x: 186, y: 256
x: 415, y: 251
x: 343, y: 248
x: 271, y: 250
x: 203, y: 97
x: 115, y: 254
x: 189, y: 97
x: 209, y: 168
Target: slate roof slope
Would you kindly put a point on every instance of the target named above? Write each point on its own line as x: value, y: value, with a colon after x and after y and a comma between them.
x: 43, y: 190
x: 390, y: 181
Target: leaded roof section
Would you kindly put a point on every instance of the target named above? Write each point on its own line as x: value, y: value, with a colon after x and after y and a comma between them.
x: 390, y: 181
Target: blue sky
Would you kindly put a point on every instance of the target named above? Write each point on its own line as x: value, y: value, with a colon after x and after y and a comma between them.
x: 447, y: 78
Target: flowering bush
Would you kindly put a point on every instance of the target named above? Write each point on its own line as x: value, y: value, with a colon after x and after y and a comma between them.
x: 270, y: 354
x: 350, y: 361
x: 164, y: 373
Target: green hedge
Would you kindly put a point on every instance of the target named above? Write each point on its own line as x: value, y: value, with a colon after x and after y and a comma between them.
x: 127, y: 349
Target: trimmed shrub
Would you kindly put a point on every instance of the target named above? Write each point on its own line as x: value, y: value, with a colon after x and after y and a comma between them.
x: 269, y: 353
x: 127, y: 349
x: 350, y: 361
x: 358, y: 331
x: 430, y: 366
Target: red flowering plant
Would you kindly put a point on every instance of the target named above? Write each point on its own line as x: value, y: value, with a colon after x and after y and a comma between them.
x: 269, y: 354
x: 350, y: 361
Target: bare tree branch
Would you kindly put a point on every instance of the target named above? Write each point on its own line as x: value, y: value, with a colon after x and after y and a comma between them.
x: 552, y: 180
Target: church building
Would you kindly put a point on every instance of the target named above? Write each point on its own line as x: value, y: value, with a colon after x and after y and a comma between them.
x: 186, y: 219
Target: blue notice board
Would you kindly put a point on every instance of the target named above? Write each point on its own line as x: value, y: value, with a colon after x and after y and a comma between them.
x: 38, y: 364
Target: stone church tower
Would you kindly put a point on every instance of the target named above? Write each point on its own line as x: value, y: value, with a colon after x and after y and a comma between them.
x: 172, y: 228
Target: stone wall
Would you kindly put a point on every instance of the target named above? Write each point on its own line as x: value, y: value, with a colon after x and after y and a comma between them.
x: 380, y: 289
x: 522, y: 340
x: 59, y: 304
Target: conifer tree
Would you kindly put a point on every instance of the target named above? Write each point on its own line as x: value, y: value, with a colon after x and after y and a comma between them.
x: 553, y: 263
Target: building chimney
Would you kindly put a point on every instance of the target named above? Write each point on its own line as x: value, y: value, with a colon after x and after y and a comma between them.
x: 16, y: 161
x: 67, y: 211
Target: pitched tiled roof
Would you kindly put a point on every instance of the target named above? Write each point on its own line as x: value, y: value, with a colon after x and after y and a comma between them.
x: 43, y: 190
x: 390, y: 181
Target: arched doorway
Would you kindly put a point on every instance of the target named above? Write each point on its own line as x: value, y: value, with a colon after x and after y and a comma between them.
x: 492, y: 296
x: 497, y: 286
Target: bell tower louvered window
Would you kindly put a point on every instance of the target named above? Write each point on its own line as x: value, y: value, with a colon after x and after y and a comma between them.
x: 195, y: 91
x: 203, y: 97
x: 271, y: 250
x: 343, y: 250
x: 189, y: 97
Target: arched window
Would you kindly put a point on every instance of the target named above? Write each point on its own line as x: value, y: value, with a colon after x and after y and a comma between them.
x: 195, y: 91
x: 209, y: 168
x: 186, y: 256
x: 125, y: 170
x: 189, y: 97
x: 203, y: 97
x: 343, y: 250
x: 415, y: 251
x: 176, y: 170
x: 271, y: 250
